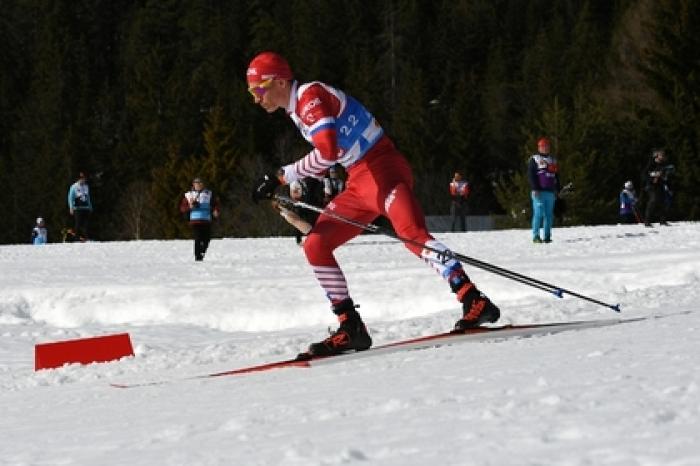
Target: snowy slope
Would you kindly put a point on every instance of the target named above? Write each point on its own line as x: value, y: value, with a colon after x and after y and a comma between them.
x: 621, y: 395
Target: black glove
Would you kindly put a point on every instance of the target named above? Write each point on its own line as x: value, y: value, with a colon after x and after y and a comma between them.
x: 265, y: 187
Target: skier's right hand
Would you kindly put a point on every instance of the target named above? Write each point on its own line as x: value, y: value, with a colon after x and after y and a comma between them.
x: 265, y: 187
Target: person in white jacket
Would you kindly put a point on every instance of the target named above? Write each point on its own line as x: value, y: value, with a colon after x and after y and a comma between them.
x: 40, y: 234
x: 80, y: 205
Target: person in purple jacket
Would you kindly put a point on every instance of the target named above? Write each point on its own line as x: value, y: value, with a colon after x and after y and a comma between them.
x: 543, y: 175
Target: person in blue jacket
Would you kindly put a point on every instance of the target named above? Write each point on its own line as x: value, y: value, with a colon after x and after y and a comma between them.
x: 80, y: 205
x: 628, y: 204
x: 201, y: 206
x: 543, y: 175
x: 39, y: 233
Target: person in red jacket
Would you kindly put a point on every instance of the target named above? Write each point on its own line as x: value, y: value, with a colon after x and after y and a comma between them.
x: 380, y: 182
x: 459, y: 192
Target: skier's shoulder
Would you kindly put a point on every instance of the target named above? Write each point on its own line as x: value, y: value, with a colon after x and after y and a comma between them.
x: 316, y: 100
x: 317, y: 89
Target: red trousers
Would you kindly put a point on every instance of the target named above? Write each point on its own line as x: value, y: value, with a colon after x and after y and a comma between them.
x: 379, y: 184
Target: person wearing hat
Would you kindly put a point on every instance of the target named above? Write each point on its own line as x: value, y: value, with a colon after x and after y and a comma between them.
x: 543, y: 176
x: 459, y: 192
x: 628, y: 204
x: 80, y: 206
x: 380, y: 182
x: 200, y: 205
x: 657, y: 188
x: 40, y: 234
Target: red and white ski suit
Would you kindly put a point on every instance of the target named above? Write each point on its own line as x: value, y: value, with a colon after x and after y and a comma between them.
x: 380, y: 182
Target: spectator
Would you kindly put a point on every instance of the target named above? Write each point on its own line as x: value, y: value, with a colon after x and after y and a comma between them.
x: 656, y: 186
x: 305, y: 190
x: 459, y: 192
x: 80, y: 206
x: 40, y: 234
x: 543, y: 175
x: 628, y: 204
x: 334, y: 183
x: 200, y: 205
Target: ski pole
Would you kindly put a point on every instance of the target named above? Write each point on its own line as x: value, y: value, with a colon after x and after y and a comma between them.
x: 448, y: 254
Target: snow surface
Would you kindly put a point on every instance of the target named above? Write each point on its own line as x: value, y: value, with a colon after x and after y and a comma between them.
x: 621, y: 395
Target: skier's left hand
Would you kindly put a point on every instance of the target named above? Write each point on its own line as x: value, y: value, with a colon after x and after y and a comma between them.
x: 265, y: 187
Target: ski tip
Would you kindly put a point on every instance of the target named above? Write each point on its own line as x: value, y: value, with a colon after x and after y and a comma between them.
x: 559, y: 293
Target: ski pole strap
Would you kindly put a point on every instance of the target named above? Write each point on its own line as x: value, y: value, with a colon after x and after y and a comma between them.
x: 446, y: 255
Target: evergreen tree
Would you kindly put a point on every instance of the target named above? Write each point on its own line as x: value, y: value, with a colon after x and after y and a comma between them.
x: 672, y: 69
x: 143, y: 94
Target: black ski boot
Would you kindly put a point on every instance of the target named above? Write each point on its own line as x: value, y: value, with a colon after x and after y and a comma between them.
x: 476, y: 307
x: 351, y: 335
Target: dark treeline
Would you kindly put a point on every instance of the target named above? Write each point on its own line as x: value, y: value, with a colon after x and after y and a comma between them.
x: 144, y: 95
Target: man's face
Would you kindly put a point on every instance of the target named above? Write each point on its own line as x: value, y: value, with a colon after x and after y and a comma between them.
x: 270, y: 94
x: 659, y: 156
x: 296, y: 193
x: 543, y: 147
x: 198, y: 185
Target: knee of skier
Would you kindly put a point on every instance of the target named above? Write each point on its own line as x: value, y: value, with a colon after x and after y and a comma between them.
x: 318, y: 248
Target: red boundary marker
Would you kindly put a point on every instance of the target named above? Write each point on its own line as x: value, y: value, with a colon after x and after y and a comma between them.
x: 83, y: 350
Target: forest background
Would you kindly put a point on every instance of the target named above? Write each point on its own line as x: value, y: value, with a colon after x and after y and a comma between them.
x: 144, y: 95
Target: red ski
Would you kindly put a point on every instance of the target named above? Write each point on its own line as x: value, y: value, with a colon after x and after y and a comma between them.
x: 304, y: 360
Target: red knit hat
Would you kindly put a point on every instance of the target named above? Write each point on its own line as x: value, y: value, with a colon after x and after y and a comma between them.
x: 268, y: 65
x: 542, y: 141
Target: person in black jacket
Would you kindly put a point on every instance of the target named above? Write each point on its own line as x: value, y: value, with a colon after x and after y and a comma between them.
x: 334, y: 183
x: 657, y: 188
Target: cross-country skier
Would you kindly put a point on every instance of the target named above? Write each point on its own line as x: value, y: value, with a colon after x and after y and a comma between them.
x: 380, y: 182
